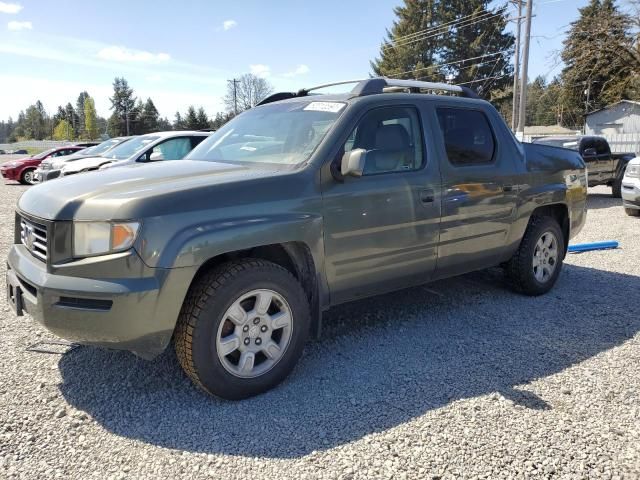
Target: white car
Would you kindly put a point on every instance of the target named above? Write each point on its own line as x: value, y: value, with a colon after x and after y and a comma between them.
x: 152, y: 147
x: 631, y: 188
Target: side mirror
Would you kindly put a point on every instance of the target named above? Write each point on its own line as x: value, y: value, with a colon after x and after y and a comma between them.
x: 589, y: 152
x: 156, y: 156
x: 353, y: 162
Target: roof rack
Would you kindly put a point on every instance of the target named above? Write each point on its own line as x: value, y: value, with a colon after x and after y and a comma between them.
x: 371, y: 86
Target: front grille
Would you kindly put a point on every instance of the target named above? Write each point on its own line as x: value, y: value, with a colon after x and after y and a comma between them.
x: 34, y: 237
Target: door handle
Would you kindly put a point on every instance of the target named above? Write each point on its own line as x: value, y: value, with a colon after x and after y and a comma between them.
x: 426, y: 196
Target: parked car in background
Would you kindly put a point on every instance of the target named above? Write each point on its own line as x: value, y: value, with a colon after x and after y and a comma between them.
x: 23, y: 170
x: 604, y: 167
x: 2, y: 152
x: 51, y: 167
x: 153, y: 147
x: 20, y: 152
x: 291, y: 208
x: 631, y: 188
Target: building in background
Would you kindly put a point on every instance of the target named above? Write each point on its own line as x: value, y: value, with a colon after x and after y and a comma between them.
x: 619, y: 123
x: 621, y: 117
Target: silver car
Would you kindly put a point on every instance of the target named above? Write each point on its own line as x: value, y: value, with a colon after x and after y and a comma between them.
x: 173, y: 145
x: 50, y: 168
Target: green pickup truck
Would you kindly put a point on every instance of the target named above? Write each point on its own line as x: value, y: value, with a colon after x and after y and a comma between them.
x: 300, y: 204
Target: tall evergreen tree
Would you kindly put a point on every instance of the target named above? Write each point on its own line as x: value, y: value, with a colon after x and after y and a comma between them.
x: 123, y: 103
x: 599, y: 65
x: 150, y: 117
x: 481, y: 37
x: 191, y: 119
x: 202, y: 119
x: 178, y: 122
x: 430, y: 38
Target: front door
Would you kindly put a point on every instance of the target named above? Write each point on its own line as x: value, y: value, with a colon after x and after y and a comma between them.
x: 381, y: 229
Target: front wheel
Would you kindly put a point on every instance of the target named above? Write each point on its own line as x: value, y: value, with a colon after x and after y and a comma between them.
x: 28, y: 177
x: 632, y: 212
x: 242, y: 328
x: 535, y: 267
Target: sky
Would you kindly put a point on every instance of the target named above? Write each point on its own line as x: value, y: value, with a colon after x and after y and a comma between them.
x: 183, y: 53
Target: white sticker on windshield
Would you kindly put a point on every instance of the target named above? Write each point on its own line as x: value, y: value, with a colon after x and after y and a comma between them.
x: 333, y: 107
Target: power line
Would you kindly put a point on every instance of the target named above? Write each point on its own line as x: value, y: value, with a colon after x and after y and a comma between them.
x: 454, y: 62
x: 436, y: 34
x: 399, y: 41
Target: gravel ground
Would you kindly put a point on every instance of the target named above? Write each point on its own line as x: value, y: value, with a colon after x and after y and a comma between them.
x: 460, y: 378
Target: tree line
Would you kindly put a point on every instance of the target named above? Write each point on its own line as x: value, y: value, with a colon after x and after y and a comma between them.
x: 130, y: 115
x: 463, y: 42
x: 466, y: 42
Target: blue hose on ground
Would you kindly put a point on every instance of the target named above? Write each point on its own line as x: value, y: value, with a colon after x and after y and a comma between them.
x: 587, y: 247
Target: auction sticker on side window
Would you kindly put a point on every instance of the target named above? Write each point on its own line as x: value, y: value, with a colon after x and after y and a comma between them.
x: 333, y: 107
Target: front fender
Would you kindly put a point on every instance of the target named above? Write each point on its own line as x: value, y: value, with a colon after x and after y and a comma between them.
x: 197, y: 241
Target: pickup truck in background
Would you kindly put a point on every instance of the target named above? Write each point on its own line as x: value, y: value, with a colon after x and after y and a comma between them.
x: 604, y: 167
x: 293, y: 207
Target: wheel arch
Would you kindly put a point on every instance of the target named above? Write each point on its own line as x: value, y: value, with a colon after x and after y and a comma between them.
x: 294, y: 256
x: 559, y: 212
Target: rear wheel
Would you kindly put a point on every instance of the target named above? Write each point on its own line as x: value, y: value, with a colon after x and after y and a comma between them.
x: 242, y: 328
x: 535, y: 267
x: 28, y: 177
x: 632, y: 212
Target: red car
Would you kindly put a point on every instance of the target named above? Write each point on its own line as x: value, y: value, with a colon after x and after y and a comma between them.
x: 22, y: 170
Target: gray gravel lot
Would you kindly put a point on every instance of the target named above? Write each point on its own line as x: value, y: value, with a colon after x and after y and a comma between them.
x: 460, y: 378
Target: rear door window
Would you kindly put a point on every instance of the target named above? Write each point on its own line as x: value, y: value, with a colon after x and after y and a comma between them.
x: 467, y: 135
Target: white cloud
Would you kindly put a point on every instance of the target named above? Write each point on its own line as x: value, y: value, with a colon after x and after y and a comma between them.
x: 260, y: 70
x: 299, y: 70
x: 229, y: 24
x: 16, y: 26
x: 122, y: 54
x: 10, y: 7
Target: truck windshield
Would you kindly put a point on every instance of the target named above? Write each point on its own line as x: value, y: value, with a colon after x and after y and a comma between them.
x: 284, y: 133
x: 130, y: 147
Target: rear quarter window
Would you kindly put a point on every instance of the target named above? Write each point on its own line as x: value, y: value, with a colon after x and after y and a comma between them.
x: 468, y: 137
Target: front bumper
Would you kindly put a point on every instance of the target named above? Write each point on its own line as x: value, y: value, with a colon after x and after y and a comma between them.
x: 631, y: 192
x: 134, y: 310
x: 10, y: 173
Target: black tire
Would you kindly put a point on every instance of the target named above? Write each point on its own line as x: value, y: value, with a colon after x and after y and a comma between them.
x: 520, y: 270
x: 616, y: 187
x: 26, y: 178
x: 202, y: 314
x: 632, y: 212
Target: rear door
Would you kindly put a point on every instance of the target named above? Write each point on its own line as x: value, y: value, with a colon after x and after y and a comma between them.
x: 381, y: 229
x: 479, y: 191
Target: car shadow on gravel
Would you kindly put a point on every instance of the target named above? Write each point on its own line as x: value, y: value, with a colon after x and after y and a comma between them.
x: 380, y: 363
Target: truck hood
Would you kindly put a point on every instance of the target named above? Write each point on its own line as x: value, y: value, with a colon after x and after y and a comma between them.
x: 136, y: 191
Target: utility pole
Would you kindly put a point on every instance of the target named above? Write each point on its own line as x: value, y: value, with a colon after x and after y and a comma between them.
x: 126, y: 114
x: 235, y: 95
x: 516, y: 73
x: 525, y: 71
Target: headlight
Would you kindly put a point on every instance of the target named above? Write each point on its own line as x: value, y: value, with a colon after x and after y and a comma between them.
x: 10, y: 165
x: 633, y: 170
x: 96, y: 238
